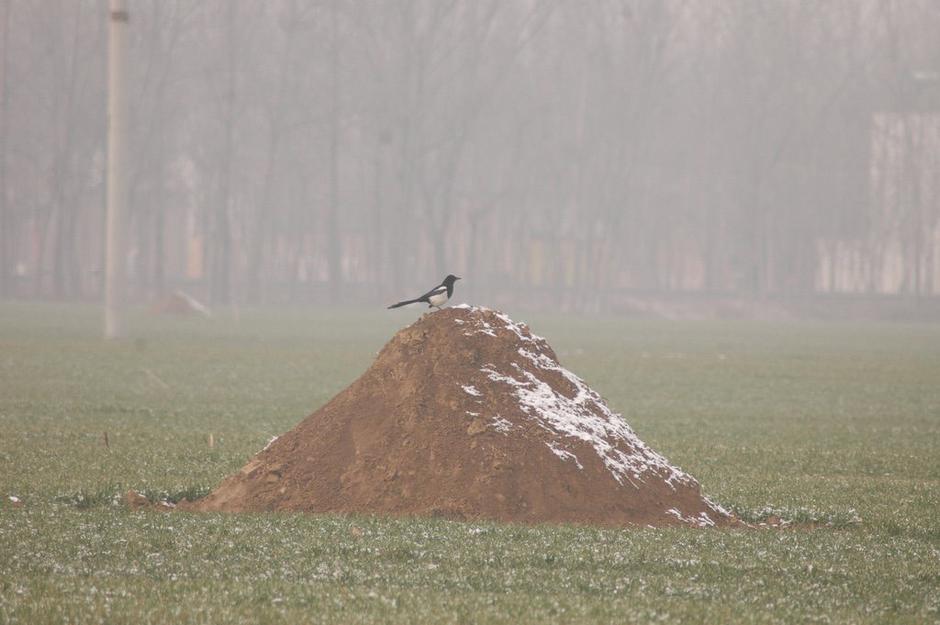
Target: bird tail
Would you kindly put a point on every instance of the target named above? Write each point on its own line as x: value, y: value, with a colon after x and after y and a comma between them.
x: 404, y: 303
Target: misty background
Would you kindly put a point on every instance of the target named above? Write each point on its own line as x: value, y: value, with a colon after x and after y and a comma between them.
x: 728, y: 157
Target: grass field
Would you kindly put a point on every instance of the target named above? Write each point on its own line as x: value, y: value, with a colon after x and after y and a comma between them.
x: 834, y: 424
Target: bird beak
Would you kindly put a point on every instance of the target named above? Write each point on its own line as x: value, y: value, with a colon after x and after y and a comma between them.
x: 458, y: 278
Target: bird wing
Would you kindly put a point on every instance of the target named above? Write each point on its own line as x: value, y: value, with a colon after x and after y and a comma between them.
x: 424, y: 298
x: 435, y: 291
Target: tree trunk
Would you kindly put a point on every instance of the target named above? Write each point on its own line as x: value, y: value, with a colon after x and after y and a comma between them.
x: 5, y: 220
x: 159, y: 244
x: 117, y: 175
x: 377, y: 257
x: 334, y: 249
x: 157, y: 221
x: 220, y: 283
x: 259, y: 237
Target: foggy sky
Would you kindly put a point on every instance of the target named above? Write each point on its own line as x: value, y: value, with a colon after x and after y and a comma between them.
x: 581, y: 155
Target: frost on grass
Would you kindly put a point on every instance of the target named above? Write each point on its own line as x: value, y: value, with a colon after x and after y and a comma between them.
x: 777, y: 516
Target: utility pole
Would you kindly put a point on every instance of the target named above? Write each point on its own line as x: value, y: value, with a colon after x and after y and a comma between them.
x: 115, y: 258
x: 5, y: 222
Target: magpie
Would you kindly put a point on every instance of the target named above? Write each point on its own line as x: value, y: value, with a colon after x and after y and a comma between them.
x: 436, y: 296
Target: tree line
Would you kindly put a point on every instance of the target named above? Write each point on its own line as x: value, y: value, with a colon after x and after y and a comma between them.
x: 346, y: 150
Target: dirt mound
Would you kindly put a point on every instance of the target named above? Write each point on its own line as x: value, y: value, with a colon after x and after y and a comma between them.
x: 466, y: 414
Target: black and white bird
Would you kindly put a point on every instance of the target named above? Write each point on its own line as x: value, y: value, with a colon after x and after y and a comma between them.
x: 436, y: 297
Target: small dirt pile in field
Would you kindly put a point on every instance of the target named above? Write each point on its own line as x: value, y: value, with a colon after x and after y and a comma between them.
x: 466, y: 414
x: 179, y: 303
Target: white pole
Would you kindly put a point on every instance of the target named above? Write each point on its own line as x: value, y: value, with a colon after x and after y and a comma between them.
x: 115, y: 258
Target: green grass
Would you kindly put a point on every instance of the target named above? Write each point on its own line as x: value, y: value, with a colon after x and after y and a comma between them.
x: 838, y: 425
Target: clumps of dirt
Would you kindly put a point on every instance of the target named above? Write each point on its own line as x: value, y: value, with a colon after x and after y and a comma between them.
x: 135, y: 500
x: 180, y: 303
x: 466, y: 414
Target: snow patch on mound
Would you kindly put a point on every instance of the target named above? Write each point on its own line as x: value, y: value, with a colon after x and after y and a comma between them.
x: 702, y: 520
x: 584, y: 416
x: 470, y: 389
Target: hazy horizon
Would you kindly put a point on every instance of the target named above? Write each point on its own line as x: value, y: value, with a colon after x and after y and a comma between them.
x: 623, y: 156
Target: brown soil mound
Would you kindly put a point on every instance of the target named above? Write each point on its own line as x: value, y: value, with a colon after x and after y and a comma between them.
x: 466, y: 414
